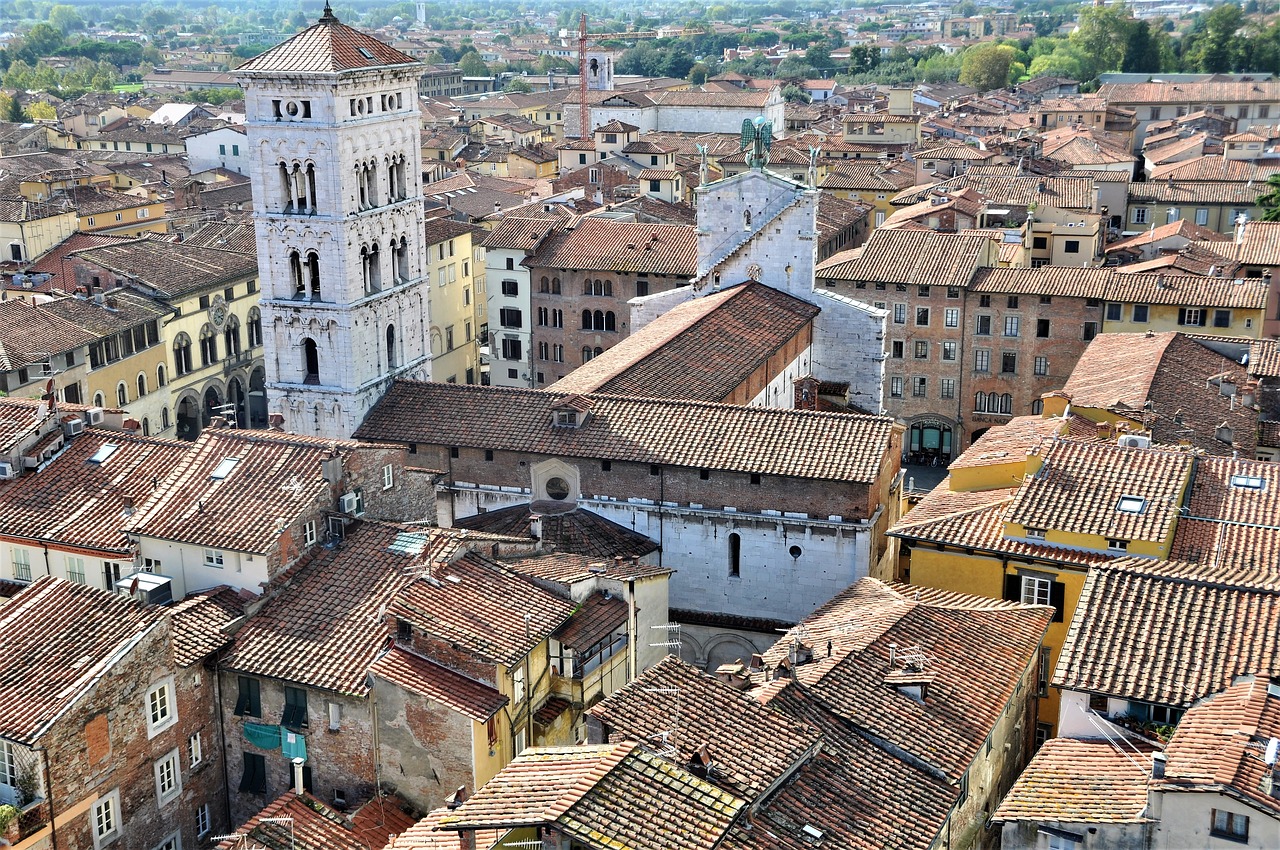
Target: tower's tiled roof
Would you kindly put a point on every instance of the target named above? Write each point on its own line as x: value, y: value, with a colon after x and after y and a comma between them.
x: 327, y: 47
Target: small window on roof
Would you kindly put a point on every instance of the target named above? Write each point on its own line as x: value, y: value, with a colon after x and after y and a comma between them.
x: 1248, y: 482
x: 104, y: 451
x: 1131, y: 505
x: 224, y: 467
x: 365, y: 52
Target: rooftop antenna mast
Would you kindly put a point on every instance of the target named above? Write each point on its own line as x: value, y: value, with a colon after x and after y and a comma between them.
x: 664, y: 742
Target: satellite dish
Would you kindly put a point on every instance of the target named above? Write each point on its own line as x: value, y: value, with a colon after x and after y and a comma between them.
x: 1273, y: 749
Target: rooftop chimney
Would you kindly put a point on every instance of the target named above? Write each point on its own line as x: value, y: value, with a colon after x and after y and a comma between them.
x: 1157, y: 765
x: 457, y: 798
x: 297, y: 776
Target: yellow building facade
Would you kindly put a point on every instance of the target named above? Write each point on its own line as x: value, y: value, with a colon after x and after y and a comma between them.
x: 456, y: 304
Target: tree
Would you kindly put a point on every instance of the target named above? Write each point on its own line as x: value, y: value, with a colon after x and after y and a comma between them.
x: 1270, y: 202
x: 471, y: 65
x: 986, y: 66
x: 698, y: 74
x: 795, y: 94
x: 1101, y: 36
x: 65, y: 18
x: 1141, y: 51
x: 41, y: 111
x: 15, y: 113
x: 1218, y: 47
x: 519, y: 84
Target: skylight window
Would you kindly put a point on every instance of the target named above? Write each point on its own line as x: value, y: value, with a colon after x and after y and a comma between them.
x: 365, y: 52
x: 1249, y: 482
x: 224, y: 467
x: 105, y: 451
x: 1131, y: 505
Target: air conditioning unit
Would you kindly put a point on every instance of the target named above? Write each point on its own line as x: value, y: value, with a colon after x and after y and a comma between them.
x: 73, y: 427
x: 7, y: 471
x: 95, y: 415
x: 1134, y: 441
x: 350, y: 504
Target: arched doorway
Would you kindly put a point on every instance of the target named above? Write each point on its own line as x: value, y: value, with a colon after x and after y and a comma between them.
x: 930, y: 442
x: 212, y: 401
x: 258, y: 398
x: 236, y: 397
x: 188, y: 421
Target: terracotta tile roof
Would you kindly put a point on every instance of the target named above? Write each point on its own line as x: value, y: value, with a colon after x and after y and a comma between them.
x: 1090, y: 781
x: 483, y: 608
x: 327, y: 47
x: 1191, y: 259
x: 1160, y: 192
x: 1123, y: 373
x: 418, y: 675
x: 1212, y: 91
x: 702, y: 349
x: 1214, y: 169
x: 595, y: 619
x: 616, y: 126
x: 1220, y: 745
x: 1079, y: 487
x: 295, y: 821
x: 976, y: 521
x: 568, y: 568
x: 1192, y: 291
x: 225, y: 236
x: 120, y: 311
x: 1182, y: 227
x: 276, y: 476
x: 1259, y: 245
x: 609, y: 796
x: 964, y: 698
x: 1264, y: 358
x: 1047, y: 280
x: 172, y: 269
x: 1168, y: 632
x: 423, y: 835
x: 867, y: 176
x: 1010, y: 442
x: 830, y: 446
x: 59, y: 637
x: 520, y: 234
x: 31, y: 334
x: 51, y: 261
x: 1063, y: 192
x: 565, y: 528
x: 713, y: 714
x: 923, y: 256
x: 621, y: 246
x: 1269, y: 433
x: 326, y: 626
x: 198, y: 623
x: 75, y: 502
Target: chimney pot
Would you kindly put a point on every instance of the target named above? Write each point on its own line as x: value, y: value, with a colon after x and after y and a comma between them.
x: 297, y: 776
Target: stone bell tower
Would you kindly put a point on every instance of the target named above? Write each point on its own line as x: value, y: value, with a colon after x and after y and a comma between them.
x: 332, y: 123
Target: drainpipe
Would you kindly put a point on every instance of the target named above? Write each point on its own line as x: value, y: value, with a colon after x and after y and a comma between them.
x: 635, y: 628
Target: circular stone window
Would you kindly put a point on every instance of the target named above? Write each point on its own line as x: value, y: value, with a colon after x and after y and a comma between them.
x: 292, y: 109
x: 795, y: 551
x: 558, y: 489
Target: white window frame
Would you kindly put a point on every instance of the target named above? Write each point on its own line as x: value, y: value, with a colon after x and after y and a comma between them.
x: 169, y: 716
x: 170, y: 842
x: 215, y: 559
x: 1117, y: 545
x: 202, y: 820
x: 77, y: 575
x: 168, y: 775
x: 21, y: 563
x: 951, y: 317
x: 1128, y: 504
x: 1034, y: 588
x: 195, y: 750
x: 110, y: 804
x: 388, y: 476
x: 309, y: 533
x: 518, y: 683
x: 1035, y: 534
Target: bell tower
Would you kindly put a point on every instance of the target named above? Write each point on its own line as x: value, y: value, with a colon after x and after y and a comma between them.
x: 332, y: 124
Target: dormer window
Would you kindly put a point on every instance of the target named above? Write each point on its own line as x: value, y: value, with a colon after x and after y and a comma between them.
x: 1131, y: 505
x: 1117, y: 545
x: 1035, y: 534
x: 566, y: 419
x: 104, y: 452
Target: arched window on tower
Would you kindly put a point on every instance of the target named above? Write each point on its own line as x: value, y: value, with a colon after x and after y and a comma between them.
x: 610, y: 323
x: 362, y: 188
x: 402, y: 258
x: 391, y: 347
x: 295, y: 275
x: 310, y: 362
x: 597, y: 320
x: 371, y: 177
x: 370, y: 261
x: 142, y: 385
x: 160, y: 379
x: 311, y: 187
x: 313, y: 274
x: 286, y: 188
x: 586, y: 320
